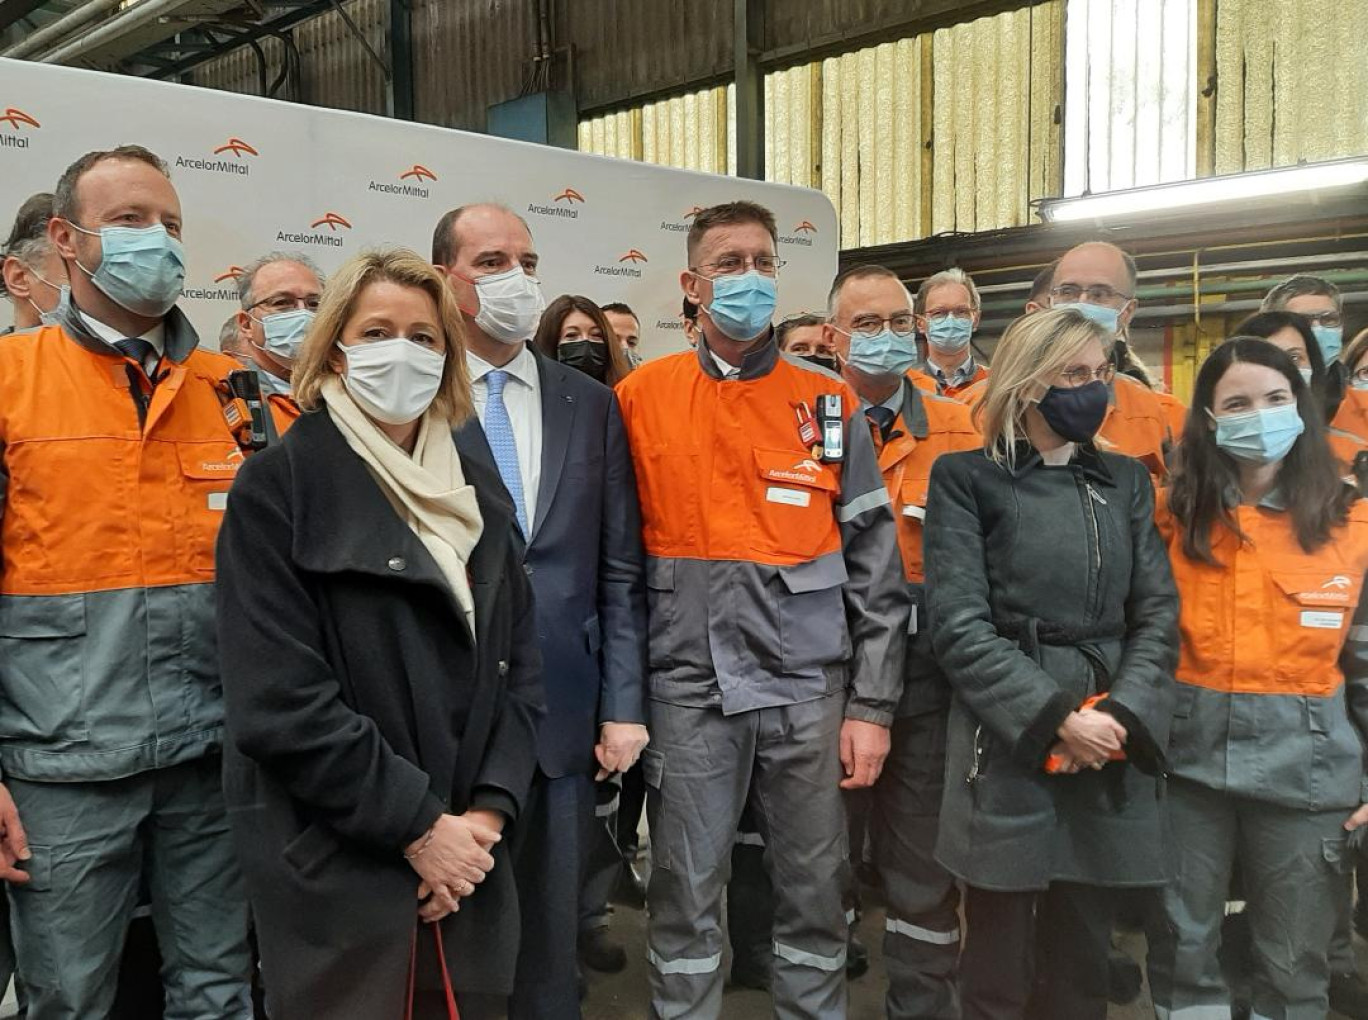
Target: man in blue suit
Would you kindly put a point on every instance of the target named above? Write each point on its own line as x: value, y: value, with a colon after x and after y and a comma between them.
x: 556, y: 438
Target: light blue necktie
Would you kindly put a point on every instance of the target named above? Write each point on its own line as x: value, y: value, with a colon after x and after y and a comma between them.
x: 499, y: 431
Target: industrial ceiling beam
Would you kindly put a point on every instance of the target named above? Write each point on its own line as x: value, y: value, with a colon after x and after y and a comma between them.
x: 749, y: 39
x: 298, y: 14
x: 14, y: 11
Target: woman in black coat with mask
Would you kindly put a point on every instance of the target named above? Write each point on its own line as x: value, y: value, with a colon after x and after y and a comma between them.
x: 575, y: 332
x: 1048, y: 587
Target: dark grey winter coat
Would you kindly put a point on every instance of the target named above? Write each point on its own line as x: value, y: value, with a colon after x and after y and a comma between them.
x: 1047, y: 585
x: 358, y: 710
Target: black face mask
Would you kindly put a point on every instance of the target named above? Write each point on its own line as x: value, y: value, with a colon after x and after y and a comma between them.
x: 1075, y: 412
x: 589, y: 356
x: 827, y: 361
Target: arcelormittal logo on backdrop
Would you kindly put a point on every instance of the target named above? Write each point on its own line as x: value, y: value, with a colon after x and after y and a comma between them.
x: 233, y: 157
x: 20, y: 124
x: 410, y: 183
x: 682, y: 224
x: 224, y: 289
x: 562, y: 206
x: 627, y: 263
x: 323, y: 231
x: 801, y: 235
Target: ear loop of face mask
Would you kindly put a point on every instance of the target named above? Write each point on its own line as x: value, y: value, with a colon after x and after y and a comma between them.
x: 42, y: 315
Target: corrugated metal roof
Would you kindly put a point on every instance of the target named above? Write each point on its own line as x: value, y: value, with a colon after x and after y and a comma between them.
x: 336, y: 70
x: 469, y: 56
x: 626, y: 48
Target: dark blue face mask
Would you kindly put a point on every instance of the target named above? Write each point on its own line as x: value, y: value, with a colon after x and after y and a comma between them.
x: 1075, y: 413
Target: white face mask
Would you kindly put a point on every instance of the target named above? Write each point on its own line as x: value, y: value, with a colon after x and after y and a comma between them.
x: 394, y: 380
x: 511, y: 305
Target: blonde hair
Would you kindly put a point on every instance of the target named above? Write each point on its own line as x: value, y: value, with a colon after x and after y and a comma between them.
x: 394, y: 265
x: 1035, y: 349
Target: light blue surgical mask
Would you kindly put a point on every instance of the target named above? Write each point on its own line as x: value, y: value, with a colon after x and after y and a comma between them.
x: 142, y: 269
x: 58, y: 314
x: 743, y: 305
x: 285, y: 332
x: 1330, y: 339
x: 1262, y: 436
x: 1106, y: 316
x: 885, y: 353
x: 950, y: 333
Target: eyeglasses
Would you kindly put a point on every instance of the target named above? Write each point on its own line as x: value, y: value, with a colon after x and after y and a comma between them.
x: 286, y: 303
x: 732, y: 265
x: 1360, y: 375
x: 1328, y: 319
x: 1081, y: 376
x: 871, y: 325
x: 1098, y: 294
x: 950, y: 313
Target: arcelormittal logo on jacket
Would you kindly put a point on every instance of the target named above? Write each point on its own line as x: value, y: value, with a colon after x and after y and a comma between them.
x: 234, y: 158
x: 326, y: 231
x: 807, y: 472
x: 410, y: 183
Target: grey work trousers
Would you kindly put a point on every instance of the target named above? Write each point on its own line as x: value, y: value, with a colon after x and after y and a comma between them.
x: 1292, y: 883
x: 92, y: 844
x: 921, y: 932
x: 701, y: 770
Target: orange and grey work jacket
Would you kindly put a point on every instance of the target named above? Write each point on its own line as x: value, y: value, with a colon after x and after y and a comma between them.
x: 926, y: 427
x: 1273, y: 667
x: 113, y: 488
x: 772, y: 576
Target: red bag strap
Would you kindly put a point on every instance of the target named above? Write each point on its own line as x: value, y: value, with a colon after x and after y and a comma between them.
x: 452, y: 1012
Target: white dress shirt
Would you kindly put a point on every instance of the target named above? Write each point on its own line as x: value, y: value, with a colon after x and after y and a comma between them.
x: 156, y: 336
x: 728, y: 370
x: 522, y: 398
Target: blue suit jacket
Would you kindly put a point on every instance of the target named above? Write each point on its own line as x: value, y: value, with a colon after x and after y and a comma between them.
x: 586, y: 564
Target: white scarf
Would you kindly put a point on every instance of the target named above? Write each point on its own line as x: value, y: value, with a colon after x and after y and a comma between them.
x: 428, y: 490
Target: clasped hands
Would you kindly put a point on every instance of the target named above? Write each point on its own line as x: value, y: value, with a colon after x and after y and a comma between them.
x: 1088, y: 739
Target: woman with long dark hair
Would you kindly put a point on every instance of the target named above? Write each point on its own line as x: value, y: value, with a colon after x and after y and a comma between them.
x: 1269, y: 548
x: 1054, y: 616
x: 575, y: 332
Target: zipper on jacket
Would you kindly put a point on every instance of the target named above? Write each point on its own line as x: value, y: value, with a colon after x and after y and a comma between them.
x: 1091, y: 497
x: 1092, y: 514
x: 976, y: 770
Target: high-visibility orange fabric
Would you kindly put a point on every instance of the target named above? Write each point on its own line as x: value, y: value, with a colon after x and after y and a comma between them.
x: 1136, y: 425
x: 1352, y: 416
x: 980, y: 375
x: 922, y: 380
x: 905, y: 462
x: 284, y: 411
x: 1346, y: 446
x: 96, y: 503
x: 721, y: 470
x: 1175, y: 411
x: 1271, y: 618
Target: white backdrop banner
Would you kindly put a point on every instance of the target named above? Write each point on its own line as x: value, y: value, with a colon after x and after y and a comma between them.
x: 257, y: 175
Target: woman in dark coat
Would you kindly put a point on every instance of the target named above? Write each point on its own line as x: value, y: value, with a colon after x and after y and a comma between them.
x: 379, y: 671
x: 1048, y: 585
